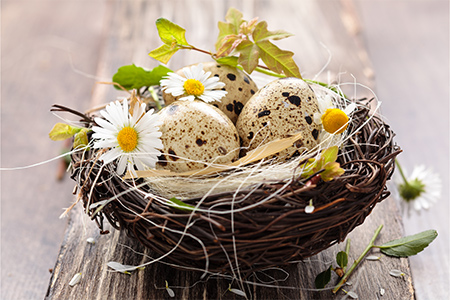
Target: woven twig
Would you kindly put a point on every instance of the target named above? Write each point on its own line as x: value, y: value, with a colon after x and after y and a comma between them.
x: 272, y: 233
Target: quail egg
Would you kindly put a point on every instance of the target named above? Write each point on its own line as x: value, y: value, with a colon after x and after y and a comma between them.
x: 239, y: 86
x: 281, y: 108
x: 195, y: 133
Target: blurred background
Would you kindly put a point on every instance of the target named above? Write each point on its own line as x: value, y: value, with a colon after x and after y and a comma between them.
x: 50, y: 54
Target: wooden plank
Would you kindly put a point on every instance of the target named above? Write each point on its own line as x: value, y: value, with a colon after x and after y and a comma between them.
x: 39, y: 40
x: 312, y: 22
x: 411, y: 64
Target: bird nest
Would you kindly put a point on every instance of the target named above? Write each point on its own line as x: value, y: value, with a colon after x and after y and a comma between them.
x: 254, y: 226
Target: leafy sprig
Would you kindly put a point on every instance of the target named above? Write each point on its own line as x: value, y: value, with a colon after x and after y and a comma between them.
x: 240, y: 42
x: 403, y: 247
x: 326, y: 163
x: 62, y: 131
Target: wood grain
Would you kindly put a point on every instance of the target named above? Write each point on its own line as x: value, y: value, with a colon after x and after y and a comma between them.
x: 332, y: 23
x: 40, y: 40
x: 412, y: 75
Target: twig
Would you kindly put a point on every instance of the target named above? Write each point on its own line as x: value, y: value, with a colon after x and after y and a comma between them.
x: 355, y: 264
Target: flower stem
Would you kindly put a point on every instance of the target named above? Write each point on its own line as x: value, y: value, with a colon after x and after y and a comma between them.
x: 155, y: 98
x: 356, y: 262
x: 401, y: 172
x: 347, y: 251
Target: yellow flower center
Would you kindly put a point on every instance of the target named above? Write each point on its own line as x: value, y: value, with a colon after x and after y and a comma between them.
x: 334, y: 120
x: 128, y: 139
x: 193, y: 87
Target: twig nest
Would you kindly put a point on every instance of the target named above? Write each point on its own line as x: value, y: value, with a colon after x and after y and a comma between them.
x: 279, y: 109
x: 195, y: 133
x: 238, y: 85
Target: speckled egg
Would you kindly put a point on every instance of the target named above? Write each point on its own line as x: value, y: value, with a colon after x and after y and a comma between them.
x: 281, y: 108
x: 195, y: 133
x: 239, y: 86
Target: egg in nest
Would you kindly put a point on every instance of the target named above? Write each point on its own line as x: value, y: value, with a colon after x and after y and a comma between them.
x: 194, y: 134
x: 278, y: 110
x: 239, y: 86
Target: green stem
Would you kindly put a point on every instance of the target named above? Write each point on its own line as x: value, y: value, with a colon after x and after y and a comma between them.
x: 155, y: 98
x: 347, y: 251
x: 355, y: 264
x: 327, y: 86
x: 268, y: 72
x: 401, y: 172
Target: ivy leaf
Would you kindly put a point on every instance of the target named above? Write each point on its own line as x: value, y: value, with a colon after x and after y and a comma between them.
x: 62, y: 131
x: 170, y: 32
x: 231, y: 61
x: 323, y: 278
x: 164, y: 53
x: 234, y: 17
x: 81, y: 139
x: 278, y: 60
x: 181, y: 205
x: 249, y: 55
x: 133, y: 77
x: 260, y: 33
x: 342, y: 259
x: 409, y: 245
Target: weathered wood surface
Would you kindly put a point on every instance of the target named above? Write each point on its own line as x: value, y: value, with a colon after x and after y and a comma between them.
x: 408, y: 45
x: 129, y: 41
x: 39, y: 41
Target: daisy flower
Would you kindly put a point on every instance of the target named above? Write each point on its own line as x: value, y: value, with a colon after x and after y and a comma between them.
x: 132, y: 137
x: 419, y: 190
x: 196, y: 84
x: 333, y: 120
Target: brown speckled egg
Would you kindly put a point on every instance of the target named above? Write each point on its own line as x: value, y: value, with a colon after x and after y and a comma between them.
x: 281, y: 108
x: 239, y: 86
x: 195, y: 133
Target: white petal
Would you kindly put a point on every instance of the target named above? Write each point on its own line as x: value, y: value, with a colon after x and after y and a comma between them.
x: 75, y: 279
x: 350, y: 108
x: 121, y: 165
x: 105, y: 124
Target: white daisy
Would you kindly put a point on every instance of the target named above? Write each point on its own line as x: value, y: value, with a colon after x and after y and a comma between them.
x: 333, y: 120
x: 196, y: 84
x: 131, y: 137
x: 419, y: 190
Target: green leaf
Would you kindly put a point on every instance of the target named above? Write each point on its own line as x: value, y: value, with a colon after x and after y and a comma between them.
x: 409, y: 245
x: 323, y: 278
x: 229, y: 43
x: 332, y: 170
x: 181, y: 205
x: 170, y: 32
x: 81, y: 139
x: 260, y: 33
x: 277, y: 60
x: 225, y: 29
x: 330, y: 154
x: 164, y: 53
x: 231, y: 61
x: 234, y: 17
x: 62, y: 131
x: 342, y: 259
x: 249, y: 55
x: 326, y: 162
x: 133, y: 77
